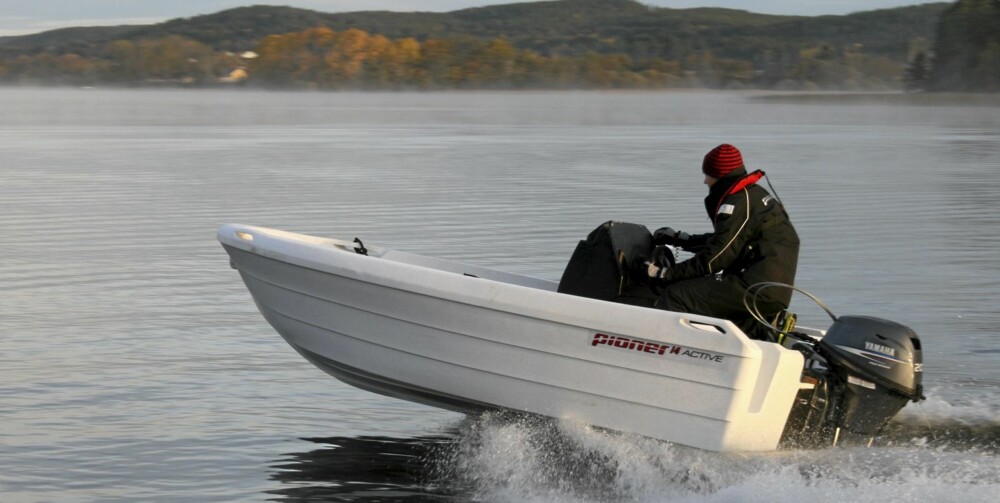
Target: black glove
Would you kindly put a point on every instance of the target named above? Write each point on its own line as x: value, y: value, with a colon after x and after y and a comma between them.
x: 668, y: 236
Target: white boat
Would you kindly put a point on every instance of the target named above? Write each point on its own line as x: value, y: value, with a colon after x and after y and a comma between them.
x: 469, y: 339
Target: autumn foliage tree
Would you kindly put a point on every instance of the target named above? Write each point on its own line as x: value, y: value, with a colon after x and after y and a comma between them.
x: 324, y: 59
x: 321, y: 58
x: 169, y: 59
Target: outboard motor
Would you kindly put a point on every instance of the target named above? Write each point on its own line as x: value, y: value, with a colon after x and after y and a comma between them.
x: 864, y: 370
x: 880, y: 365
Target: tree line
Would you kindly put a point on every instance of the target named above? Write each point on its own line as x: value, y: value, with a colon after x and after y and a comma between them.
x: 321, y: 58
x: 965, y: 56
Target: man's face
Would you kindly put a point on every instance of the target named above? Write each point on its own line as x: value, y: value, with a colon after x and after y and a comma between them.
x: 710, y: 181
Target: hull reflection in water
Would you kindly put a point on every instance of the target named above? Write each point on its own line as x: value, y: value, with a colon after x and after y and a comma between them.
x: 368, y: 468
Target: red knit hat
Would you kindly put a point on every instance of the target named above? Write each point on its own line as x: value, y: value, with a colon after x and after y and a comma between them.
x: 721, y: 160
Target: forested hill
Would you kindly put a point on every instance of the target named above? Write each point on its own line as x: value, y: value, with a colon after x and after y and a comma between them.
x: 552, y: 28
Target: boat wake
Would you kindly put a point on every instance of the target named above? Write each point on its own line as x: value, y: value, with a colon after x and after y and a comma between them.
x: 937, y: 424
x: 536, y: 460
x: 498, y: 457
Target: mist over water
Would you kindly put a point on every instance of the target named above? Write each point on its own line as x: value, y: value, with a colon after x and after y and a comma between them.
x: 134, y: 365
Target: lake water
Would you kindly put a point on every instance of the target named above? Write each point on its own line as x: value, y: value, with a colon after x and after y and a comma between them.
x: 134, y: 365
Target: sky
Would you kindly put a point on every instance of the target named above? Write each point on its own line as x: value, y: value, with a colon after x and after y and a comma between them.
x: 20, y: 17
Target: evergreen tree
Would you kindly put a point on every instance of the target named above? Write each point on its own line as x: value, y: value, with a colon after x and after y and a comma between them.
x: 915, y: 77
x: 967, y: 50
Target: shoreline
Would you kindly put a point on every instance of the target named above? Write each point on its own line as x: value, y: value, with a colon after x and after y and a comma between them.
x: 881, y: 98
x: 894, y: 98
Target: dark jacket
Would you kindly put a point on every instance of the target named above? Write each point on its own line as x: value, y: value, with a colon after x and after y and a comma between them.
x: 753, y: 239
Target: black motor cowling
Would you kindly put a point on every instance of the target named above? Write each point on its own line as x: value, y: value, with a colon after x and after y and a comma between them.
x: 877, y: 365
x: 863, y: 371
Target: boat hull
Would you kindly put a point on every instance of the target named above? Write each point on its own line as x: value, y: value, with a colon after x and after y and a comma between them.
x: 470, y: 339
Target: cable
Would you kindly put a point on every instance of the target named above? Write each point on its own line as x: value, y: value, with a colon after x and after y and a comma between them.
x: 772, y: 190
x: 754, y: 311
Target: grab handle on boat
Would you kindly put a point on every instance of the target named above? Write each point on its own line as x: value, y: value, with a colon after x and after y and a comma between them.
x: 355, y: 245
x: 360, y: 248
x: 705, y: 327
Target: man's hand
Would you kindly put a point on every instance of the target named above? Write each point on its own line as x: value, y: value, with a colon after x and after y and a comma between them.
x: 653, y: 270
x: 668, y: 236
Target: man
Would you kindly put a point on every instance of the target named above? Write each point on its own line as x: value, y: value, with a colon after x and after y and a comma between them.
x: 753, y: 242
